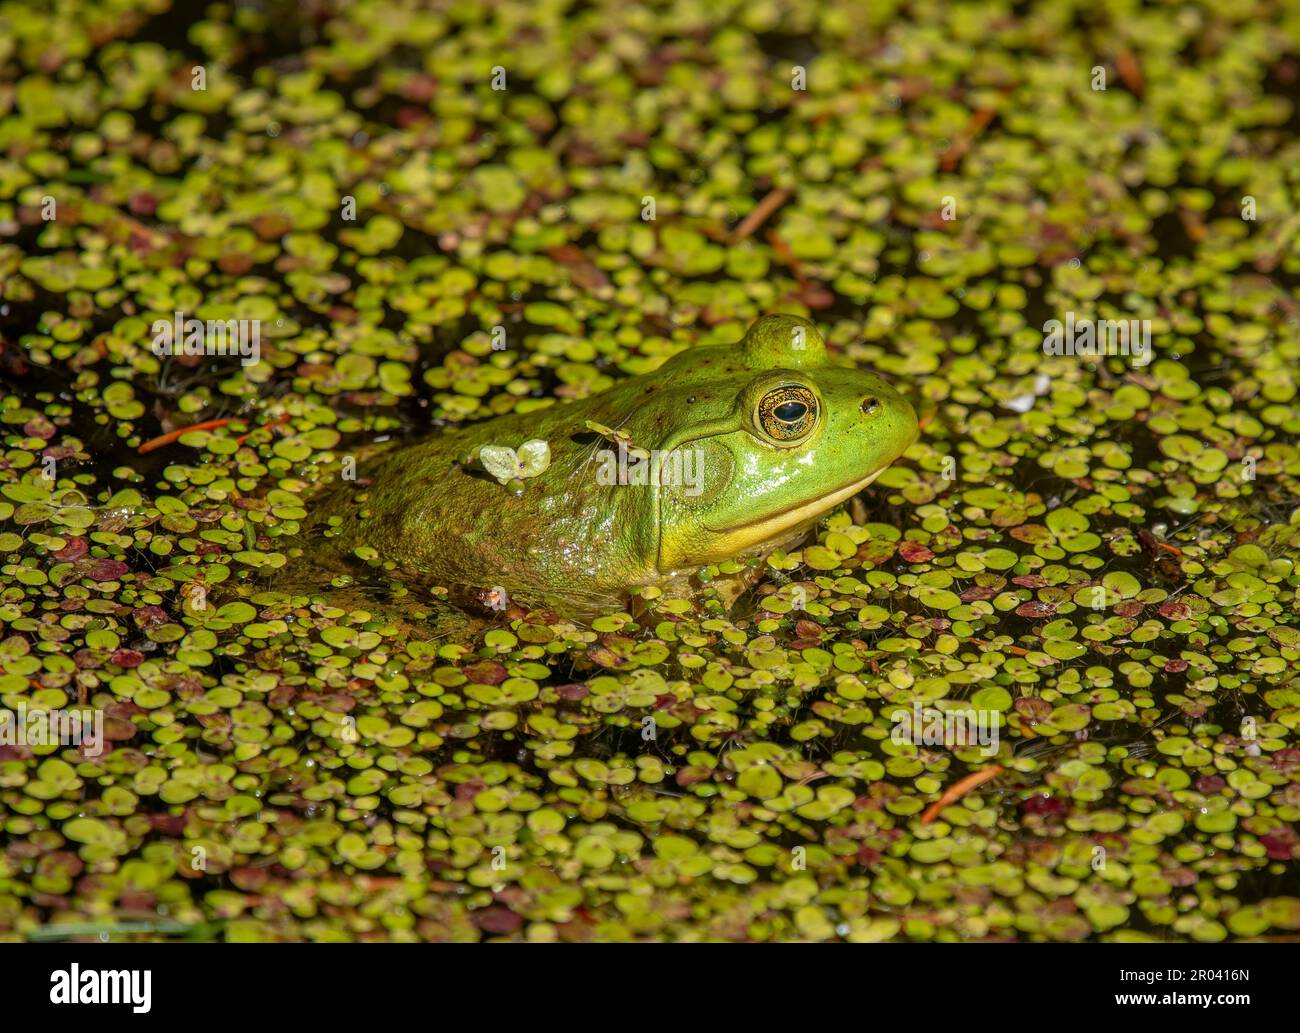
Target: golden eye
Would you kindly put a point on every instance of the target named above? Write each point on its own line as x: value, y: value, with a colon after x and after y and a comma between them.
x: 788, y: 413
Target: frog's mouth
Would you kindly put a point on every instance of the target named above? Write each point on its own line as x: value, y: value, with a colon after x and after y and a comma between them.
x: 773, y: 527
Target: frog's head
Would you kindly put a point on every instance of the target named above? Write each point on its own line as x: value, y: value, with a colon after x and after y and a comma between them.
x: 775, y: 434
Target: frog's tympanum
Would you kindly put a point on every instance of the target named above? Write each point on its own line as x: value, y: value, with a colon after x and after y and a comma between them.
x: 723, y: 452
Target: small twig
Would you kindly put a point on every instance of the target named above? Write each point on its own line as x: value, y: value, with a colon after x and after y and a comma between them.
x: 760, y: 214
x: 157, y: 238
x: 979, y: 122
x: 179, y: 432
x: 959, y: 789
x: 786, y: 256
x: 1192, y: 224
x: 1016, y: 650
x: 175, y: 435
x: 1130, y: 72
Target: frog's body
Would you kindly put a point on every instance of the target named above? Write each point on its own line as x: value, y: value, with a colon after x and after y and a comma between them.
x: 750, y: 443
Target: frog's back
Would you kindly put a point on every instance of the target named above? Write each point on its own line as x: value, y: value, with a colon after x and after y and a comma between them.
x: 446, y: 520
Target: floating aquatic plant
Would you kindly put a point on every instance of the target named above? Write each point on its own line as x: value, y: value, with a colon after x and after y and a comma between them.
x: 1097, y: 557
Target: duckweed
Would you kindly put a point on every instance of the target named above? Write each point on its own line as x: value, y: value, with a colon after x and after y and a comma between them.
x: 1096, y: 553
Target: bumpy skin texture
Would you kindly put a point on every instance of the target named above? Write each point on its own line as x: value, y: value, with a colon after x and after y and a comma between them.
x: 567, y: 536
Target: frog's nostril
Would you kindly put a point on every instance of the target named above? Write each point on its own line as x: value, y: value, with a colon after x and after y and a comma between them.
x: 870, y: 404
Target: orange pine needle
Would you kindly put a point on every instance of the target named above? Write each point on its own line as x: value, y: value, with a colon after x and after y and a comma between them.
x: 1192, y: 225
x: 959, y: 789
x: 1016, y: 650
x: 175, y: 435
x: 157, y: 238
x: 786, y: 256
x: 761, y: 213
x: 978, y: 123
x: 1130, y: 72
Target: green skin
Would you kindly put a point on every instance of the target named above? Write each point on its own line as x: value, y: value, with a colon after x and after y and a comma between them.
x: 565, y: 535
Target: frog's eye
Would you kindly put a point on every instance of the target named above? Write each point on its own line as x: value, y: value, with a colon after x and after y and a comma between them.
x: 787, y: 414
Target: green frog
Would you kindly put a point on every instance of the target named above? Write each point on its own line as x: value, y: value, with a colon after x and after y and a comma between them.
x: 724, y: 452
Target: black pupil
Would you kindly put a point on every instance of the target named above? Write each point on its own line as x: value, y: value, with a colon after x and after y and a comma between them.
x: 790, y: 412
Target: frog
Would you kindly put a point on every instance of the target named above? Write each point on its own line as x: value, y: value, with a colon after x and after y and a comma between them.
x: 724, y: 452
